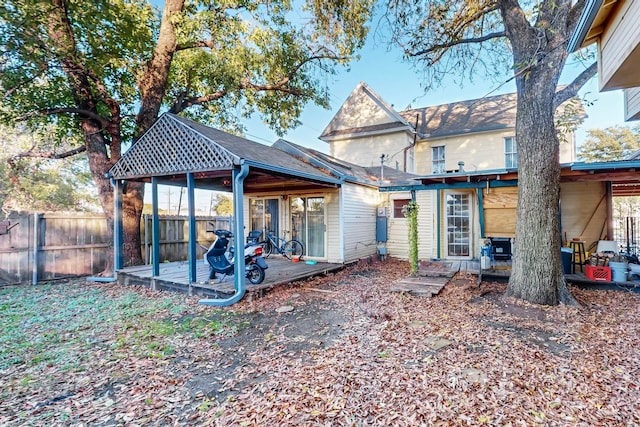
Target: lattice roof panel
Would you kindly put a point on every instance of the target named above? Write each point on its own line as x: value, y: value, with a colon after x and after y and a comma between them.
x: 171, y: 147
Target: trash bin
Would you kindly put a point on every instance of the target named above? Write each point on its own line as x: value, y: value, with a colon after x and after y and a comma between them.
x: 618, y: 271
x: 567, y: 257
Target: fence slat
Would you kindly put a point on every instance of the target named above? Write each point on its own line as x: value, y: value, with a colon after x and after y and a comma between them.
x: 75, y: 245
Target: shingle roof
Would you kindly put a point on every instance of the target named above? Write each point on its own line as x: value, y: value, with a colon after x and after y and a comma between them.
x: 346, y: 170
x: 178, y: 145
x: 477, y: 115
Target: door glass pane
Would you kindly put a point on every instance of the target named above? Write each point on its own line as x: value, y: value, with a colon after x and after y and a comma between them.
x: 307, y: 224
x: 264, y: 215
x: 458, y: 225
x: 315, y: 232
x: 297, y: 220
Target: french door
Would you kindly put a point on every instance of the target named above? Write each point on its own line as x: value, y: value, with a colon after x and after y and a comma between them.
x: 458, y: 225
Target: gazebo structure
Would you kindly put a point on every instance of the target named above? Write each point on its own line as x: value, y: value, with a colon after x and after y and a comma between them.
x: 178, y: 151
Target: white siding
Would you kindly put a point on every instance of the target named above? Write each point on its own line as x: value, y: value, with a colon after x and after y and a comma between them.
x: 332, y: 205
x: 479, y: 151
x: 619, y: 48
x: 366, y: 151
x: 632, y: 104
x: 397, y: 230
x: 359, y: 220
x: 397, y: 244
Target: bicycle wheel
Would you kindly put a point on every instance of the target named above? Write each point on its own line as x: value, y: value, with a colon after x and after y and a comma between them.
x: 267, y: 248
x: 293, y: 248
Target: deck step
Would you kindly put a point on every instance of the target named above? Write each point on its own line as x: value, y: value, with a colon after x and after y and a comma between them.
x: 420, y: 286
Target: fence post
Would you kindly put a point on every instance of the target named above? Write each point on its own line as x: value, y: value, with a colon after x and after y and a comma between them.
x: 36, y: 245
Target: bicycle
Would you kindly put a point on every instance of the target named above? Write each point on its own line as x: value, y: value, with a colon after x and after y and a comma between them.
x: 287, y: 248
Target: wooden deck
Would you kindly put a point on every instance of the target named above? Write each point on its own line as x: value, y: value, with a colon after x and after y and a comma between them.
x: 174, y: 276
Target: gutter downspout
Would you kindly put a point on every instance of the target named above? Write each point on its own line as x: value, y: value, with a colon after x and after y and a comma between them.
x: 239, y: 270
x: 413, y: 144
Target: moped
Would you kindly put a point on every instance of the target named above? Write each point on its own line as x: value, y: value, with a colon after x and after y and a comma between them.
x: 220, y: 257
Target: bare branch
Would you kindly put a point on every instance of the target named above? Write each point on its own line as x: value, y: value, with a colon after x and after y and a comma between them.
x: 48, y: 155
x: 481, y: 39
x: 572, y: 89
x: 197, y: 44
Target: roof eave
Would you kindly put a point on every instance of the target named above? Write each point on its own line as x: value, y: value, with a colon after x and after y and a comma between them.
x: 587, y: 17
x: 405, y: 128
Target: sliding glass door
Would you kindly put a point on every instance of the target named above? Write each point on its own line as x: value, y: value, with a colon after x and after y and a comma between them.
x: 308, y: 224
x: 263, y: 215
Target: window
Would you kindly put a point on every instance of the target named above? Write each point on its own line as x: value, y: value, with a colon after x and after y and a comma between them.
x: 437, y: 156
x: 510, y: 152
x: 398, y: 206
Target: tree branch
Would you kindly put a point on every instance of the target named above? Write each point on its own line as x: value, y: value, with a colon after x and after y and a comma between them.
x: 53, y: 111
x: 48, y: 155
x: 480, y: 39
x: 572, y: 88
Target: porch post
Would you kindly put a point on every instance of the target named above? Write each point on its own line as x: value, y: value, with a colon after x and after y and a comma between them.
x: 192, y: 226
x: 438, y: 220
x: 238, y: 213
x: 155, y: 229
x: 480, y: 192
x: 117, y: 226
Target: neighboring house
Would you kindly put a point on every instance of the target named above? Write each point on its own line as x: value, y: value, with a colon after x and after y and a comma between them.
x: 466, y: 156
x: 613, y: 25
x: 470, y: 135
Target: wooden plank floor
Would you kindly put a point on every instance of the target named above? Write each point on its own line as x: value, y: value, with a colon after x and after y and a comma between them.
x: 175, y: 276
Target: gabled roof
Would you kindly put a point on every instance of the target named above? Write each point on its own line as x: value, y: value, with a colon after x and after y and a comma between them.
x: 175, y: 145
x: 364, y: 113
x: 477, y: 115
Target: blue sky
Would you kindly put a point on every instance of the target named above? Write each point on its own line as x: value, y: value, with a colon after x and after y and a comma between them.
x: 398, y: 84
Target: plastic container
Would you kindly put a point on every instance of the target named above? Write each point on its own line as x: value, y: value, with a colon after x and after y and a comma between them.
x: 566, y: 255
x: 618, y: 271
x: 599, y: 273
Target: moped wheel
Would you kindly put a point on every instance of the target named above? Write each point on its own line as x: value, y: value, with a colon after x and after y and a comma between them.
x: 255, y: 274
x: 267, y: 248
x: 293, y: 248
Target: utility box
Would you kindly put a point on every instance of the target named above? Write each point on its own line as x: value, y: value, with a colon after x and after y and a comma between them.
x: 381, y: 225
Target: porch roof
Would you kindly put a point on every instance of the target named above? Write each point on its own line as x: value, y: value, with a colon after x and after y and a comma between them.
x: 175, y: 146
x: 623, y: 175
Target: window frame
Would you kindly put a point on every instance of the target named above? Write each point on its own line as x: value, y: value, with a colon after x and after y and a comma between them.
x: 398, y: 212
x: 440, y: 161
x: 511, y: 156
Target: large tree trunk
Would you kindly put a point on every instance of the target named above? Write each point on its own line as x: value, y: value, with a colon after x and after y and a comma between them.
x: 537, y: 274
x: 539, y: 54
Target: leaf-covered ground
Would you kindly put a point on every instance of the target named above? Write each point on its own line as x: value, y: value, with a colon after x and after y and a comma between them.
x: 333, y: 351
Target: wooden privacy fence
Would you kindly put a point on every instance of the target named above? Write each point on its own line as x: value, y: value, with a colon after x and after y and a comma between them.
x: 39, y: 247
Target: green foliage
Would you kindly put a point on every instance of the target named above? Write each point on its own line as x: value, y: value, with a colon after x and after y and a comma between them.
x: 411, y: 213
x: 59, y: 324
x: 231, y: 59
x: 223, y: 205
x: 42, y: 184
x: 612, y: 143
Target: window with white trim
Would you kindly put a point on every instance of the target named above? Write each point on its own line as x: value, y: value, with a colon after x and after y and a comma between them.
x: 510, y: 153
x: 437, y: 159
x: 398, y: 207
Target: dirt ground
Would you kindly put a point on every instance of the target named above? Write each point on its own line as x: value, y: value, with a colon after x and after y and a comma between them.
x: 344, y: 350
